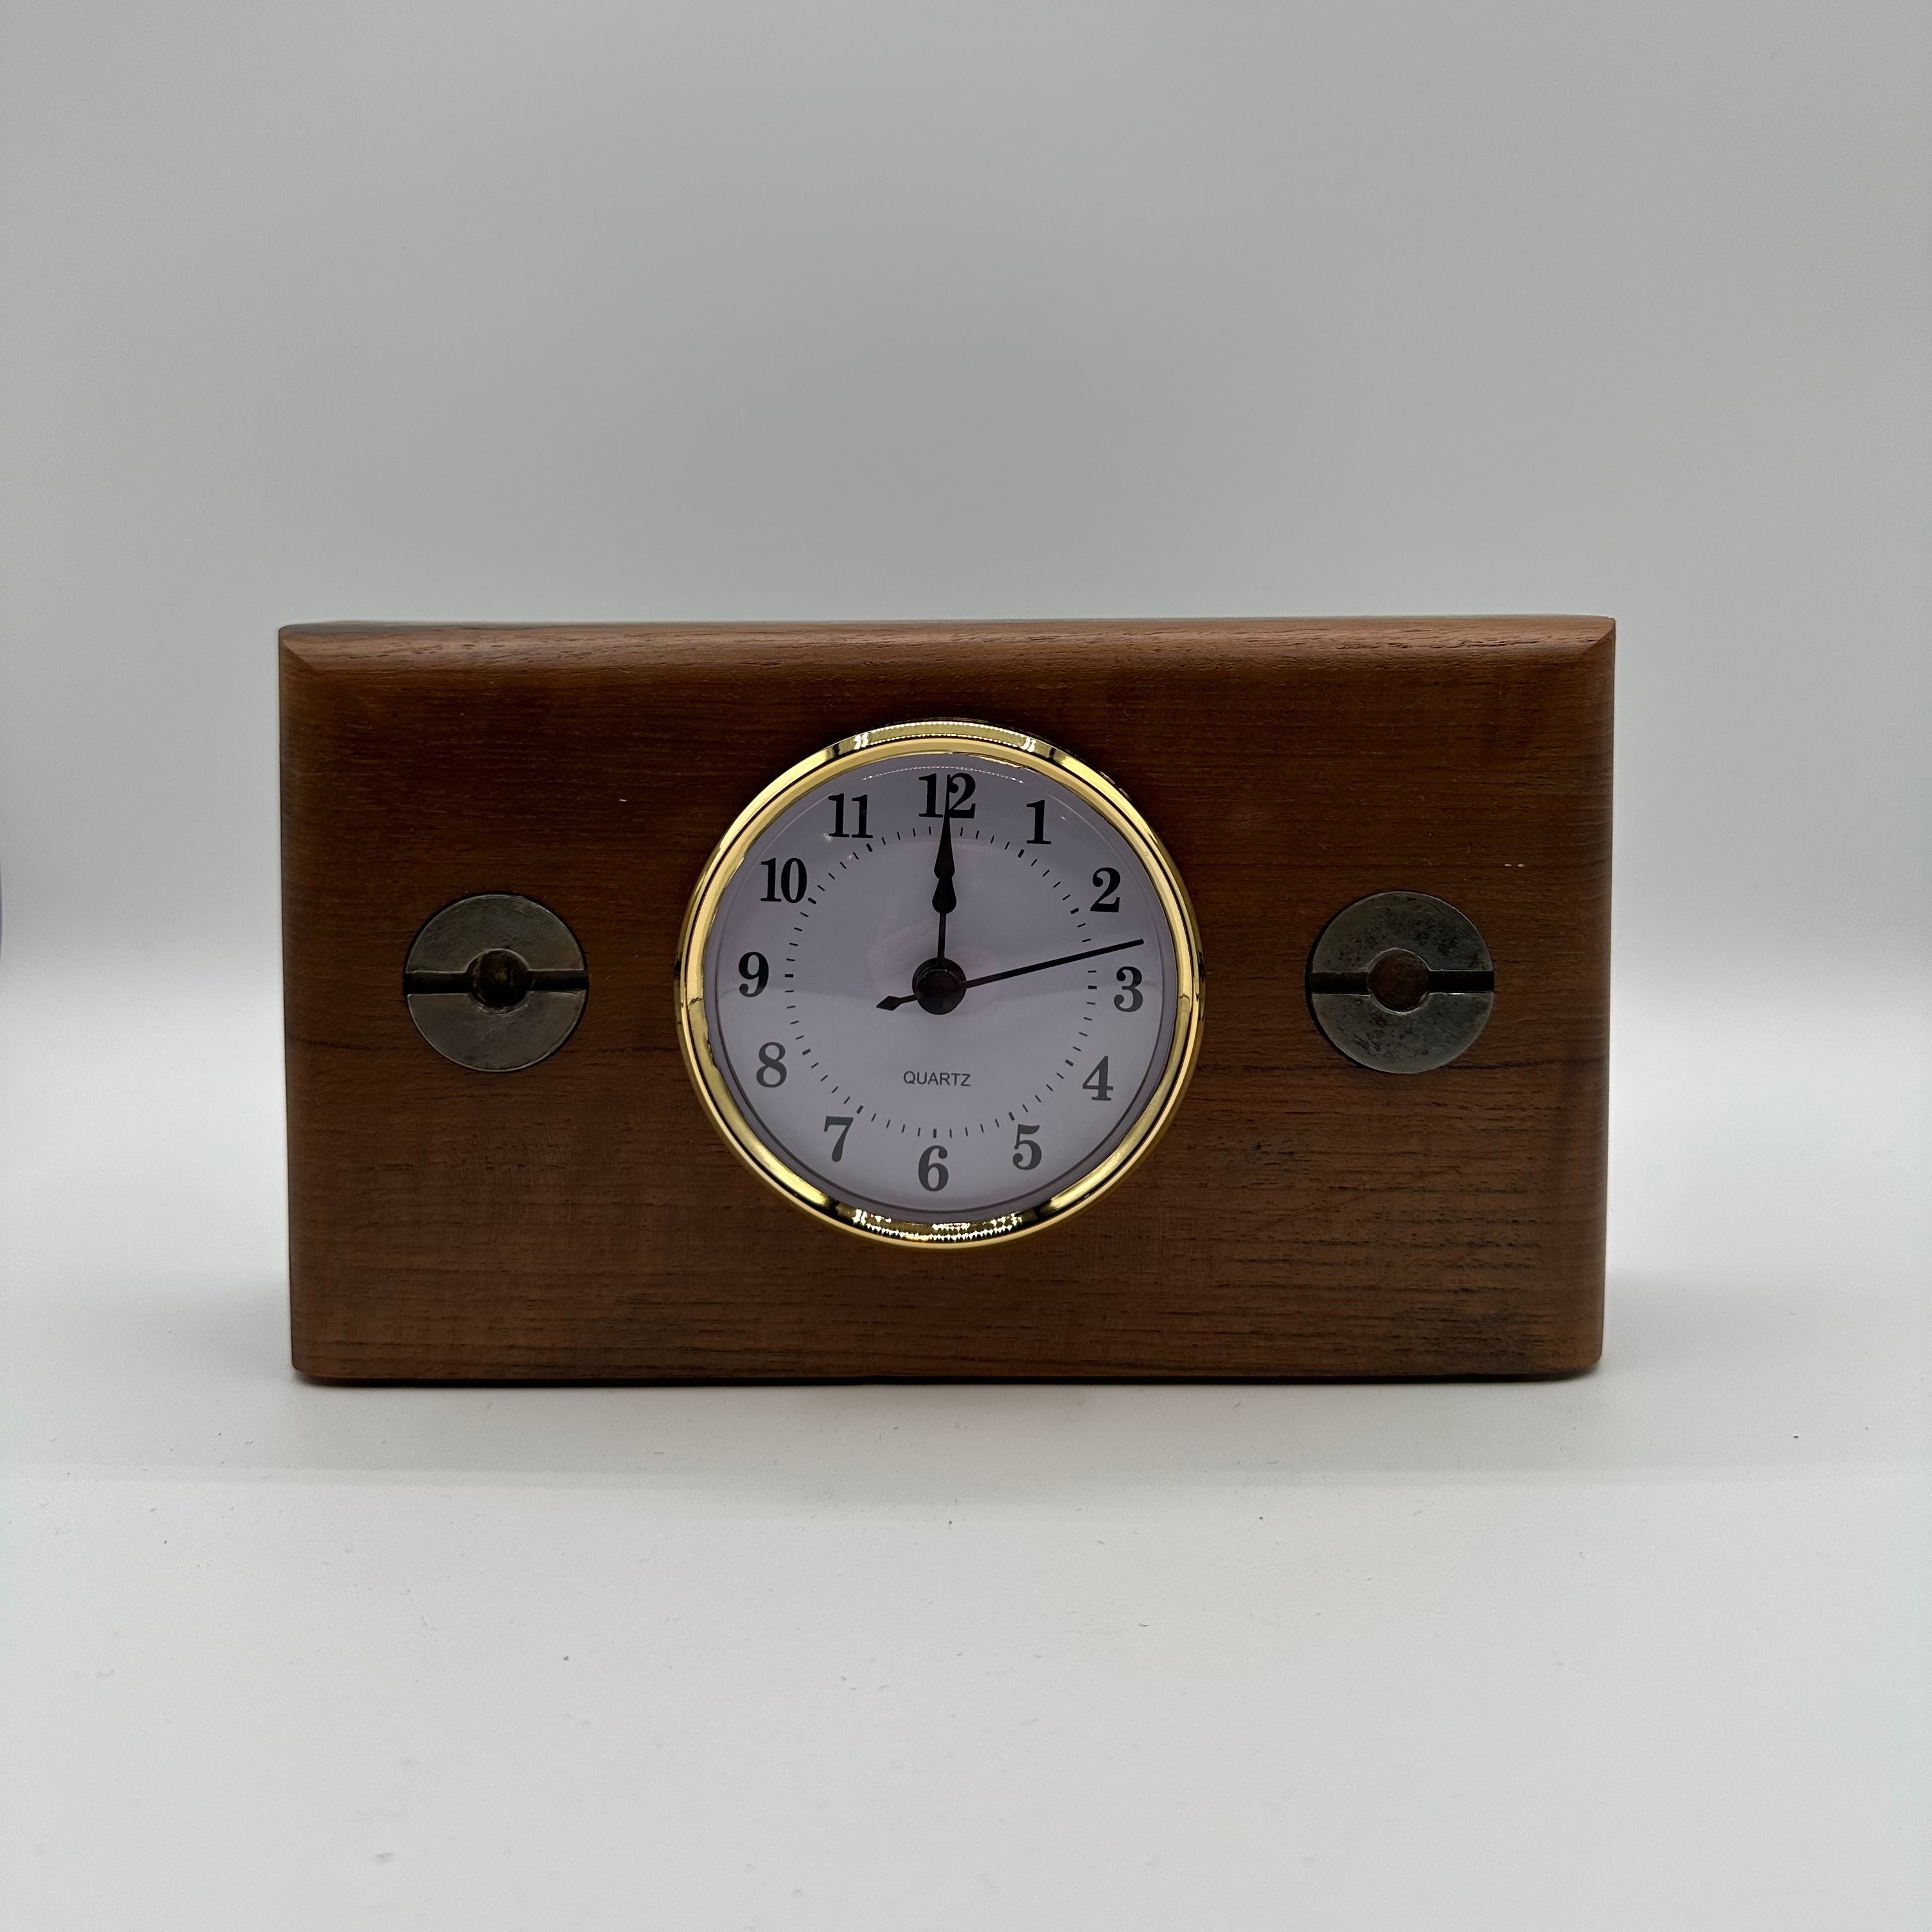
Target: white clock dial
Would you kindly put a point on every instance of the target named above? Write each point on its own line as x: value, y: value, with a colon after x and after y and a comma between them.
x: 944, y: 982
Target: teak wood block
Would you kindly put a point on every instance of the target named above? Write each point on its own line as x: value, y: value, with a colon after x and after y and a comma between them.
x: 1303, y: 1216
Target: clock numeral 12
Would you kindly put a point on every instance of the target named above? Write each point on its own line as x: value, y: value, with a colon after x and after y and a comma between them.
x: 959, y: 790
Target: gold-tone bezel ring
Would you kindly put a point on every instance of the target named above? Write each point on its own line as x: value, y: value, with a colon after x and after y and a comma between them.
x: 958, y: 738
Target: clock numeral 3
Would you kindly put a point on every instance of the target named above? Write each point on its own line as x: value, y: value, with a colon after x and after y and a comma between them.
x: 771, y: 1061
x: 1133, y: 999
x: 1026, y: 1149
x: 932, y: 1175
x: 1108, y: 880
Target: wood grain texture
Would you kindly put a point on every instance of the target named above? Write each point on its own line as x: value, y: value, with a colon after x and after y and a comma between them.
x: 1303, y: 1217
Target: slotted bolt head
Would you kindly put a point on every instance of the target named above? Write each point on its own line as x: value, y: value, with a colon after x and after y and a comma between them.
x: 1401, y: 982
x: 496, y: 982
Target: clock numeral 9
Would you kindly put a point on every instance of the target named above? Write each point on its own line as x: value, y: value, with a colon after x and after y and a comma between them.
x: 754, y: 971
x: 1133, y: 999
x: 932, y: 1175
x: 1108, y: 880
x: 791, y: 881
x: 771, y: 1061
x: 1026, y: 1149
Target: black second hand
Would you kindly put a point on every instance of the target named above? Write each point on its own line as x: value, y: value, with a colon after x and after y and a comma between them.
x: 1014, y: 972
x: 1066, y: 958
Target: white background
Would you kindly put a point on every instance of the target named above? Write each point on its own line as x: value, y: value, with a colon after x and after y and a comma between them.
x: 486, y: 310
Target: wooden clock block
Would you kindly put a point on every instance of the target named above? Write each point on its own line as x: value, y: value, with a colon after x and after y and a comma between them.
x: 1303, y: 1215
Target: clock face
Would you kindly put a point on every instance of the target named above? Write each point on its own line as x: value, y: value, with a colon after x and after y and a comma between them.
x: 940, y: 984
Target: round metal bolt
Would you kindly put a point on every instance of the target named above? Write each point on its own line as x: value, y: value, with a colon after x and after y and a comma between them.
x: 496, y: 982
x: 1398, y: 981
x: 1401, y: 982
x: 500, y: 978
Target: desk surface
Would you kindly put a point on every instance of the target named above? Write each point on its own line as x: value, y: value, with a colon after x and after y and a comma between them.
x: 1644, y: 1649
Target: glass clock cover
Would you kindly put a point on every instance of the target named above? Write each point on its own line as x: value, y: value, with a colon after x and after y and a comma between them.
x: 941, y: 986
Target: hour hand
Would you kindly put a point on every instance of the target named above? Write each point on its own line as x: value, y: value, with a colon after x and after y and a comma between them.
x: 944, y: 898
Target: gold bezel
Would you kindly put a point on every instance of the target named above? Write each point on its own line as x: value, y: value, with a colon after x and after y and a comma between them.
x: 955, y: 737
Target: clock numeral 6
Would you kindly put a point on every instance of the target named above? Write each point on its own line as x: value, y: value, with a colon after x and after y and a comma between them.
x: 932, y: 1176
x: 754, y: 971
x: 772, y: 1066
x: 1133, y: 999
x: 1108, y: 880
x: 843, y: 1122
x: 1026, y: 1149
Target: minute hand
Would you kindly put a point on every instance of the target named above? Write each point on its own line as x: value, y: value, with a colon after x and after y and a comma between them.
x: 1014, y: 972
